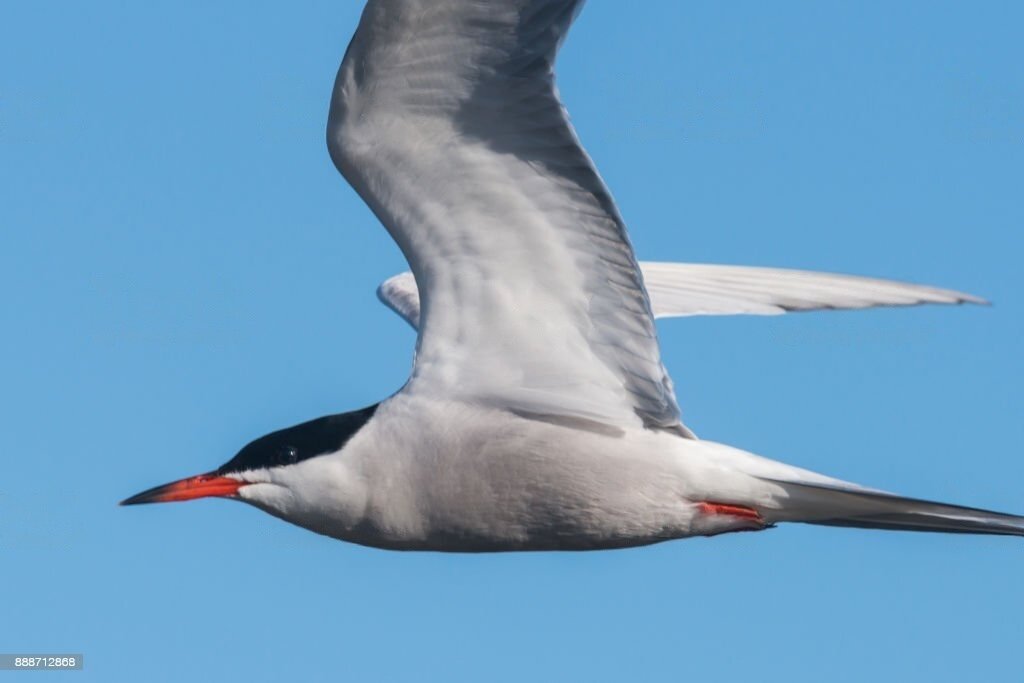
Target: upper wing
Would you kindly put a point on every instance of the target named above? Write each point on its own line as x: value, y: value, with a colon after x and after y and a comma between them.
x: 685, y: 289
x: 446, y: 120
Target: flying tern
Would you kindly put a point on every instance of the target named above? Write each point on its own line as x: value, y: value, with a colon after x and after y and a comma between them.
x: 538, y: 414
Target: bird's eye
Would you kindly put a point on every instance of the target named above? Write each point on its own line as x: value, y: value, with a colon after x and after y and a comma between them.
x: 289, y: 454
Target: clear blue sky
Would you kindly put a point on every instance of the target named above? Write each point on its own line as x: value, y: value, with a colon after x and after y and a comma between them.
x: 183, y: 270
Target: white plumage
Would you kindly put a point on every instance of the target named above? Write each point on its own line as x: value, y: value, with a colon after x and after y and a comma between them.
x: 538, y: 414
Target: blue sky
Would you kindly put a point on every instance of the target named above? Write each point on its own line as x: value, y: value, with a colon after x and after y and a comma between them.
x: 184, y: 270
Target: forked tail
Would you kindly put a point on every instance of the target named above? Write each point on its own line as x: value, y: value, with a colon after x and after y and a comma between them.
x: 825, y: 504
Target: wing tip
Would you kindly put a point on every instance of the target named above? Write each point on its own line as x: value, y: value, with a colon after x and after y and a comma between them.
x: 953, y: 298
x: 976, y: 300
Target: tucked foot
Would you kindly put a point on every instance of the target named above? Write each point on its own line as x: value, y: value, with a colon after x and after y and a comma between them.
x: 719, y: 518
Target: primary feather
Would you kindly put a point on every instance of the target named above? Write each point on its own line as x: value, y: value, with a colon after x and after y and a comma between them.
x: 688, y: 289
x: 446, y: 121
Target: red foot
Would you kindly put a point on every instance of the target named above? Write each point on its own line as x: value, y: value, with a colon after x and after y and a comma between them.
x: 742, y: 511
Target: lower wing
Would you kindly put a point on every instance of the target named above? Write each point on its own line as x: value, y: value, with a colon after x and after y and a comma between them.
x: 685, y: 289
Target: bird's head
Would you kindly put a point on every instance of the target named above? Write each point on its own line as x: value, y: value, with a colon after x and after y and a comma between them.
x: 270, y: 471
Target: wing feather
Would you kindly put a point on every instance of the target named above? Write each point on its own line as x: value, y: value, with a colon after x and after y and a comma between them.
x: 684, y: 289
x: 689, y: 289
x: 446, y: 120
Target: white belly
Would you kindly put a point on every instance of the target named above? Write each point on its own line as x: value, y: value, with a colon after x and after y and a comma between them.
x: 459, y: 478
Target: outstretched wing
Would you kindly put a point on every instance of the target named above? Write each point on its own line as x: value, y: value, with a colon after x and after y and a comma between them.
x: 446, y: 120
x: 679, y: 290
x: 684, y: 289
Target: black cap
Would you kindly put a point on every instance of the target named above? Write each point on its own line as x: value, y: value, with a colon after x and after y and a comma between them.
x: 301, y: 442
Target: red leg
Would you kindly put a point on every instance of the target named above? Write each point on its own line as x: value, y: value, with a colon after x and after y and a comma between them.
x: 709, y: 508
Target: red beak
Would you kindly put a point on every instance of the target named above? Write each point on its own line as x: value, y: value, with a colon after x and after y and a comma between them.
x: 201, y: 486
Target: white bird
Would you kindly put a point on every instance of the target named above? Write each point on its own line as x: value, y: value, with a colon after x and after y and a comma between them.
x: 538, y: 414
